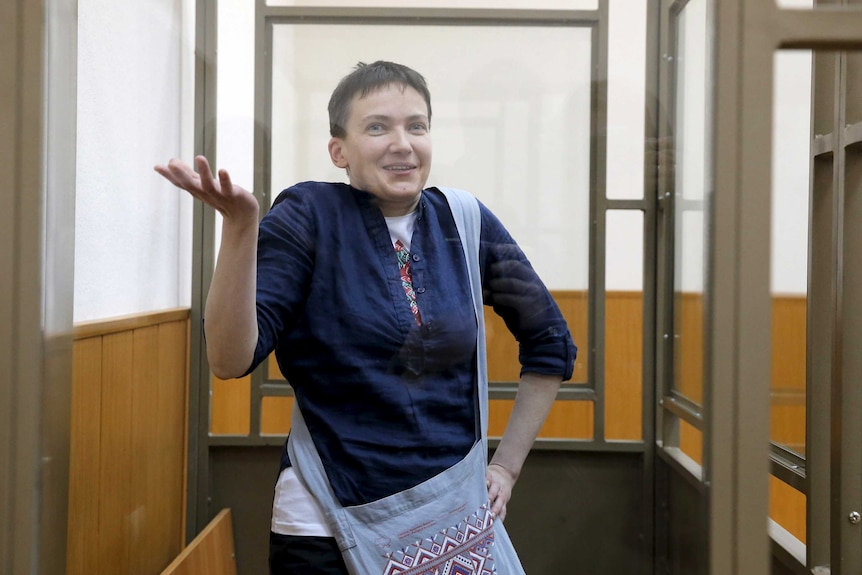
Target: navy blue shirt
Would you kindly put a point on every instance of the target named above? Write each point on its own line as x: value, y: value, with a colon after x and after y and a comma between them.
x: 389, y: 403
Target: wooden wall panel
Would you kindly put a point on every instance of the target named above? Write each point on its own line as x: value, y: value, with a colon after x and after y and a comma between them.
x: 567, y: 419
x: 230, y: 404
x: 502, y: 348
x: 789, y: 329
x: 143, y: 483
x: 787, y: 507
x: 82, y: 550
x: 127, y: 468
x: 624, y: 366
x: 116, y: 460
x: 688, y: 342
x: 171, y: 426
x: 691, y: 442
x: 275, y: 415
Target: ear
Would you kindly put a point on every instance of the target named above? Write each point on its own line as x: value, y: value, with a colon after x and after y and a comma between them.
x: 336, y: 153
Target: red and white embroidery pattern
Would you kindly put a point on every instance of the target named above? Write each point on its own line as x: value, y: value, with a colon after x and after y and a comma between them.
x: 407, y: 279
x: 464, y: 549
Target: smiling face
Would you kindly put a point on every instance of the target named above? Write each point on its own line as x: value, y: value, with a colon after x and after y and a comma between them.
x: 387, y: 147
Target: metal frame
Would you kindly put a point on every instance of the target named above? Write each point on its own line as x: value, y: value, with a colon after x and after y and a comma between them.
x: 198, y: 513
x: 737, y: 330
x: 38, y: 63
x: 268, y: 16
x: 200, y: 440
x: 735, y: 433
x: 673, y: 406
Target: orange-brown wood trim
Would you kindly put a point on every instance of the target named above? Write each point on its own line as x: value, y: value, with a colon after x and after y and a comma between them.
x: 130, y: 322
x: 211, y: 552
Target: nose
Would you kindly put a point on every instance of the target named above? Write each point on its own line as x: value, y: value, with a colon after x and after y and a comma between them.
x: 400, y: 141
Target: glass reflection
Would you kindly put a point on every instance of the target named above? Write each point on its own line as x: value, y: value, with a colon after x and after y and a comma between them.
x: 691, y: 180
x: 791, y: 156
x: 505, y: 125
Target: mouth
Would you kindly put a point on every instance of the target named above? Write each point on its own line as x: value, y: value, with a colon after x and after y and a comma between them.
x: 399, y: 168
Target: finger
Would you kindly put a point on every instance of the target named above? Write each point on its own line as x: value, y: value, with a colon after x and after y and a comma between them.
x: 493, y: 490
x: 180, y: 176
x: 208, y: 183
x: 164, y: 172
x: 502, y: 515
x: 183, y: 176
x: 497, y: 505
x: 224, y: 180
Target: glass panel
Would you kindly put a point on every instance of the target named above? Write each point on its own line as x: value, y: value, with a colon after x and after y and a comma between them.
x: 691, y: 179
x: 506, y: 122
x: 230, y: 403
x: 795, y: 4
x: 624, y: 325
x: 273, y: 371
x: 567, y: 419
x: 787, y: 507
x: 626, y: 100
x: 691, y: 442
x: 791, y: 143
x: 275, y: 415
x: 493, y: 4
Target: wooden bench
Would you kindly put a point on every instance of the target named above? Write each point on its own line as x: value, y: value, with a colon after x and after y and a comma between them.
x: 210, y: 553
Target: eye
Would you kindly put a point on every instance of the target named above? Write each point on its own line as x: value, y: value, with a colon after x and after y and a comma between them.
x: 418, y: 128
x: 375, y: 128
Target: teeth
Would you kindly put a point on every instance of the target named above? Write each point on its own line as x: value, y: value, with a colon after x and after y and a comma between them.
x: 399, y: 168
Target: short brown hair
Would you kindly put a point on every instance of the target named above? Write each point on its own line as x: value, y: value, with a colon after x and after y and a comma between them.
x: 364, y: 79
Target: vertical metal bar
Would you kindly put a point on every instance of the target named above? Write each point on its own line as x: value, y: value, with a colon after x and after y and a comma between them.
x: 819, y: 318
x: 598, y: 215
x: 38, y: 113
x: 10, y: 87
x: 648, y: 372
x: 56, y: 238
x: 659, y: 15
x: 837, y: 387
x: 667, y: 426
x: 722, y: 274
x: 738, y: 301
x: 203, y: 256
x: 263, y: 59
x: 846, y: 364
x: 850, y: 316
x: 751, y: 424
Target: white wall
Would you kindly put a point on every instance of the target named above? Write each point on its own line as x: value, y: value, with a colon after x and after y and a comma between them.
x: 791, y: 140
x: 133, y: 230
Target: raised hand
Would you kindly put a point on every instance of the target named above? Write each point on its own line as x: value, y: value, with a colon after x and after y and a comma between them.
x: 234, y: 202
x: 231, y: 316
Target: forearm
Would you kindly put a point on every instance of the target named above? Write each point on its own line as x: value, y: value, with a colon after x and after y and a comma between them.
x: 231, y: 314
x: 536, y: 395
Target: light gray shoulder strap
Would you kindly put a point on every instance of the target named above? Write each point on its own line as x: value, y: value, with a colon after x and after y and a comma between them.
x: 468, y: 220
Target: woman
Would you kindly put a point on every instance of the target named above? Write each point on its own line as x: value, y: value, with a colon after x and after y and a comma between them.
x: 363, y: 292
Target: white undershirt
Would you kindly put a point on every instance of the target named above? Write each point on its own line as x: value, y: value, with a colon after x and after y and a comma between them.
x: 295, y: 511
x: 401, y: 228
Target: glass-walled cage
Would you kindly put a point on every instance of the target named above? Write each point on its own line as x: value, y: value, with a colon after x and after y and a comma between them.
x: 683, y: 174
x: 542, y: 110
x: 536, y: 139
x: 790, y: 322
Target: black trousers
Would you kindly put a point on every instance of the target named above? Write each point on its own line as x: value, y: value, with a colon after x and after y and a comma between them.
x: 300, y: 555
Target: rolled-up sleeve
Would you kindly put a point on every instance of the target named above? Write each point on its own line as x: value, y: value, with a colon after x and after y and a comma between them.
x: 516, y: 293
